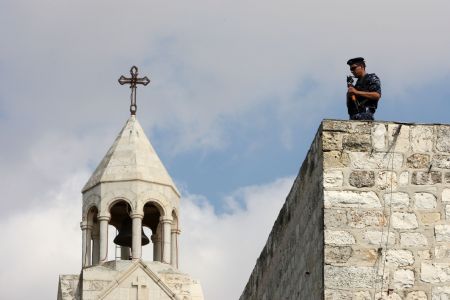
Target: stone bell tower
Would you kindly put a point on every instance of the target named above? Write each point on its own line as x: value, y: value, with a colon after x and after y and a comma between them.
x: 129, y: 190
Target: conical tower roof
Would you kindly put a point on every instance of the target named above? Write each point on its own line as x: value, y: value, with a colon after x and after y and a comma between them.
x: 131, y: 157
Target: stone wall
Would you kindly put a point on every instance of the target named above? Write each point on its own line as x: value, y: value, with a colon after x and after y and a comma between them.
x: 291, y: 264
x: 387, y: 210
x: 385, y: 189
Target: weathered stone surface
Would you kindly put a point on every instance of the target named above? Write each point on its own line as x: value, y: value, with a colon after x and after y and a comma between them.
x: 426, y: 178
x: 331, y: 140
x: 361, y: 219
x: 363, y: 128
x: 447, y: 177
x: 346, y: 295
x: 442, y: 251
x: 386, y: 296
x: 402, y: 220
x: 442, y: 233
x: 447, y: 212
x: 403, y: 179
x: 424, y: 254
x: 443, y: 138
x: 349, y: 277
x: 422, y: 138
x: 332, y: 178
x: 357, y: 142
x: 387, y: 180
x: 416, y: 295
x: 335, y: 159
x: 398, y: 141
x: 379, y: 137
x: 374, y: 237
x: 403, y: 279
x: 335, y: 218
x: 337, y: 254
x: 424, y: 201
x: 418, y: 161
x: 429, y: 218
x: 361, y: 179
x: 338, y: 237
x: 435, y: 272
x: 440, y: 293
x: 413, y: 239
x: 397, y: 200
x: 441, y: 161
x: 400, y: 258
x: 332, y: 125
x: 363, y: 257
x: 365, y: 160
x: 446, y: 195
x: 351, y: 199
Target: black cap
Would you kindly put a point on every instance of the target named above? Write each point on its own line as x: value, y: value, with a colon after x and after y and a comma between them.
x: 356, y: 60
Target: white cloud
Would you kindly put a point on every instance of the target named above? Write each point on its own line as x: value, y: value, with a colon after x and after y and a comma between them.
x: 220, y: 250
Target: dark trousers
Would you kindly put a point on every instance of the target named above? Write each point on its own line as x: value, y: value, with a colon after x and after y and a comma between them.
x: 367, y: 114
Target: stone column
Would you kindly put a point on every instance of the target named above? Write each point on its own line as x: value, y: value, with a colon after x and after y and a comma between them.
x: 136, y: 237
x: 95, y: 246
x: 156, y: 240
x: 174, y: 246
x: 88, y: 245
x: 166, y: 227
x: 103, y: 253
x: 84, y: 253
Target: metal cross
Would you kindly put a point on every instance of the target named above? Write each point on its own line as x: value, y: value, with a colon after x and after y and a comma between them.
x: 133, y: 81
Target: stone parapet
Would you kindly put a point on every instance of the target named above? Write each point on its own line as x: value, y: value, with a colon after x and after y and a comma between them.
x: 384, y: 191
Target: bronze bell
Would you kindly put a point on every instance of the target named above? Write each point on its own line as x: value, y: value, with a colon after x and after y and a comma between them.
x: 125, y: 234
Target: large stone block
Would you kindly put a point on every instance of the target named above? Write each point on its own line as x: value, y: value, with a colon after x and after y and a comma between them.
x: 335, y: 218
x: 441, y: 161
x: 357, y: 142
x: 361, y: 219
x: 332, y: 178
x: 397, y: 200
x: 425, y: 201
x: 335, y: 159
x: 387, y: 180
x: 338, y: 237
x: 379, y: 137
x: 443, y: 139
x: 403, y: 279
x: 404, y: 221
x: 413, y: 239
x: 362, y: 179
x: 337, y: 254
x: 426, y: 178
x: 416, y: 295
x: 374, y: 237
x: 435, y: 272
x: 442, y: 233
x: 400, y: 258
x: 331, y: 140
x: 418, y: 161
x: 349, y: 277
x: 351, y: 199
x: 446, y: 195
x: 368, y: 161
x: 398, y: 140
x: 422, y: 138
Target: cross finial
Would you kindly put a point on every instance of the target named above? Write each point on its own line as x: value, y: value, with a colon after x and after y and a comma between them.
x: 133, y: 81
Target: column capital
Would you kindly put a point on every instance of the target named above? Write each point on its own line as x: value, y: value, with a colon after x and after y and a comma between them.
x: 176, y: 231
x: 84, y: 225
x: 135, y: 215
x: 104, y: 218
x: 164, y: 220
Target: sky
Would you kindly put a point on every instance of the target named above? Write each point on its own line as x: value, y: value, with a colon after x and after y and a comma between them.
x: 238, y: 90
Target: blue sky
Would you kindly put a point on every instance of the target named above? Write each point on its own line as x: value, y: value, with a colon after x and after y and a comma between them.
x: 238, y: 91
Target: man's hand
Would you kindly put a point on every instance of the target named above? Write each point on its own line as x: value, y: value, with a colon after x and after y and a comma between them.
x: 352, y: 90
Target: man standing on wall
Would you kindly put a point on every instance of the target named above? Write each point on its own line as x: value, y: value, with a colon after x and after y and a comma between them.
x: 363, y: 97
